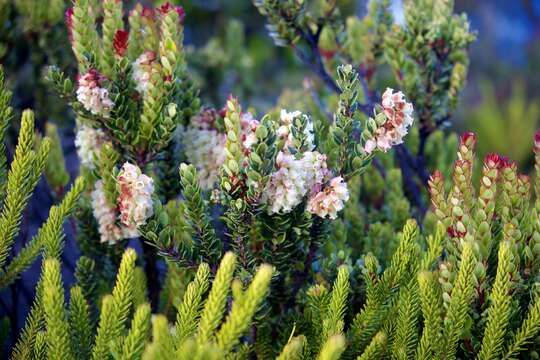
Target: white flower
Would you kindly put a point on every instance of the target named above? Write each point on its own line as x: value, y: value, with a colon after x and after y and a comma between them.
x: 142, y: 71
x: 284, y: 131
x: 293, y: 180
x: 88, y: 142
x: 249, y: 127
x: 92, y: 96
x: 106, y: 216
x: 205, y: 149
x: 398, y: 113
x: 330, y: 200
x: 135, y: 196
x: 315, y: 169
x: 287, y: 186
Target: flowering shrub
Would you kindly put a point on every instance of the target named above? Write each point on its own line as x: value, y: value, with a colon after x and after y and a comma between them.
x: 295, y: 223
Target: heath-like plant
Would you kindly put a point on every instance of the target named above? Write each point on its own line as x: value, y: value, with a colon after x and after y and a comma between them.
x: 17, y: 184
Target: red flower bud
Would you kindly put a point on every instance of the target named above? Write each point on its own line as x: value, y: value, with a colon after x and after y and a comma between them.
x: 222, y: 112
x: 120, y: 42
x: 165, y: 8
x: 69, y: 22
x: 492, y: 160
x: 468, y: 139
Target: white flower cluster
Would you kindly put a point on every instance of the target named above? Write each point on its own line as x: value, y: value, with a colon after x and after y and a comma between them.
x: 303, y: 175
x: 295, y: 176
x: 330, y: 200
x: 88, y: 142
x: 110, y: 231
x: 142, y: 71
x: 398, y: 113
x: 92, y: 96
x: 205, y: 149
x: 134, y: 205
x: 135, y: 196
x: 204, y: 146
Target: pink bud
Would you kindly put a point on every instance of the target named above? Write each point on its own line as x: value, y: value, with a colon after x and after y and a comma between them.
x: 468, y: 139
x: 492, y: 160
x: 69, y: 22
x: 165, y: 8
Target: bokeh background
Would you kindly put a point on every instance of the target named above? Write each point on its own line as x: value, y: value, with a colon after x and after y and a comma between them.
x: 229, y: 52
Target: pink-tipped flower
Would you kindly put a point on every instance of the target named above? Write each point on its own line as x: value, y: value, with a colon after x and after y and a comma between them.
x: 165, y: 8
x: 232, y: 103
x: 249, y: 126
x: 92, y: 96
x: 329, y: 201
x: 468, y: 139
x: 142, y: 71
x: 106, y: 215
x: 398, y: 113
x: 68, y: 18
x: 506, y: 163
x: 492, y: 160
x: 120, y: 42
x: 135, y: 196
x: 168, y: 7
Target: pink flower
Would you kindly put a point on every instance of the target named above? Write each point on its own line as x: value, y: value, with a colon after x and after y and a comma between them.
x: 293, y: 179
x: 249, y: 127
x: 68, y: 18
x: 329, y: 201
x: 92, y: 96
x: 467, y: 139
x: 135, y: 196
x: 110, y: 231
x: 142, y: 71
x: 398, y: 114
x: 167, y: 7
x: 492, y: 161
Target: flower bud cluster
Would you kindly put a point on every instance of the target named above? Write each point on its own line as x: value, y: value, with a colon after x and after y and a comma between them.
x: 92, y: 95
x: 134, y: 205
x: 395, y: 123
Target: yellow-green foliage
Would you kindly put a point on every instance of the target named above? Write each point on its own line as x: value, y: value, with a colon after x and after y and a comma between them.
x: 18, y: 184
